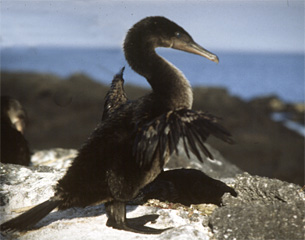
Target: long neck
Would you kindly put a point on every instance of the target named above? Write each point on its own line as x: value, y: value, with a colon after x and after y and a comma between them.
x: 169, y: 85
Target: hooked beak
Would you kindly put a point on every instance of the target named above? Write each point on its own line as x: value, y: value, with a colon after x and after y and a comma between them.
x: 193, y: 47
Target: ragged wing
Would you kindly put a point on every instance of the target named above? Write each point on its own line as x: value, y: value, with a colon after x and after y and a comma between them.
x: 163, y: 133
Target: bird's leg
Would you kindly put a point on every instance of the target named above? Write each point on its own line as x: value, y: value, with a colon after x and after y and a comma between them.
x: 116, y: 212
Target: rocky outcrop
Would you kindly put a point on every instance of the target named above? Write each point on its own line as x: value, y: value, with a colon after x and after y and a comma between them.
x: 264, y: 208
x: 272, y: 104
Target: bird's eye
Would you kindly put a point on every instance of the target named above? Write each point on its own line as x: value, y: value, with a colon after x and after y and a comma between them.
x: 178, y: 34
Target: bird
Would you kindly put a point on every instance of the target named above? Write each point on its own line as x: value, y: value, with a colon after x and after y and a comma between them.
x: 129, y: 147
x: 185, y: 186
x: 14, y: 146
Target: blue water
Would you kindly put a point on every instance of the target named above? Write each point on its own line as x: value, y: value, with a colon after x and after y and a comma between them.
x: 246, y: 75
x: 282, y: 117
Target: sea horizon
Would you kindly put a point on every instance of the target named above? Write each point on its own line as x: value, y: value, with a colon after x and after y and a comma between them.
x: 245, y: 74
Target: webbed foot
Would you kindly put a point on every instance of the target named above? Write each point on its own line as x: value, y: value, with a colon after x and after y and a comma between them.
x: 117, y: 219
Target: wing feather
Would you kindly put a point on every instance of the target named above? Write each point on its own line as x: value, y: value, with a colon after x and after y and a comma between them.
x: 162, y: 135
x: 192, y: 143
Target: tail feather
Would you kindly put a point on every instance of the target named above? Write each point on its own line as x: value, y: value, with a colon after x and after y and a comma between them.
x: 29, y: 218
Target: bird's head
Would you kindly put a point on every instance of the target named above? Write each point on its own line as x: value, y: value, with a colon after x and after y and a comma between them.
x: 161, y: 32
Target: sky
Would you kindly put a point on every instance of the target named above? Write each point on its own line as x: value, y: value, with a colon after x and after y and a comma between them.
x: 261, y: 26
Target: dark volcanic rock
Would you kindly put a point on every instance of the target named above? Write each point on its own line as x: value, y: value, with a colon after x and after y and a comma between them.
x: 264, y: 209
x: 272, y: 104
x: 270, y: 221
x: 255, y: 189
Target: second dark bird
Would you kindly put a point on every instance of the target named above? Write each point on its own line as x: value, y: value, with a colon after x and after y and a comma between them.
x: 129, y: 148
x: 14, y: 147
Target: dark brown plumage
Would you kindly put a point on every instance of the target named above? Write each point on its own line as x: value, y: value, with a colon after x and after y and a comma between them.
x: 130, y: 146
x: 14, y: 147
x: 185, y: 186
x: 116, y: 96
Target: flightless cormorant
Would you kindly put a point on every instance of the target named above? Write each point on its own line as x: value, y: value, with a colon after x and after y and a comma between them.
x: 129, y: 148
x: 14, y: 147
x: 185, y: 186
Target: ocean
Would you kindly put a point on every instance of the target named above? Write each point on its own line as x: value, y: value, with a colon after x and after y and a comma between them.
x: 246, y: 75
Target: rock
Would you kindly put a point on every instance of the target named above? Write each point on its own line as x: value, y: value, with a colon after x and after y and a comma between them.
x: 272, y: 104
x: 264, y: 209
x: 24, y: 187
x: 57, y: 158
x: 217, y: 168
